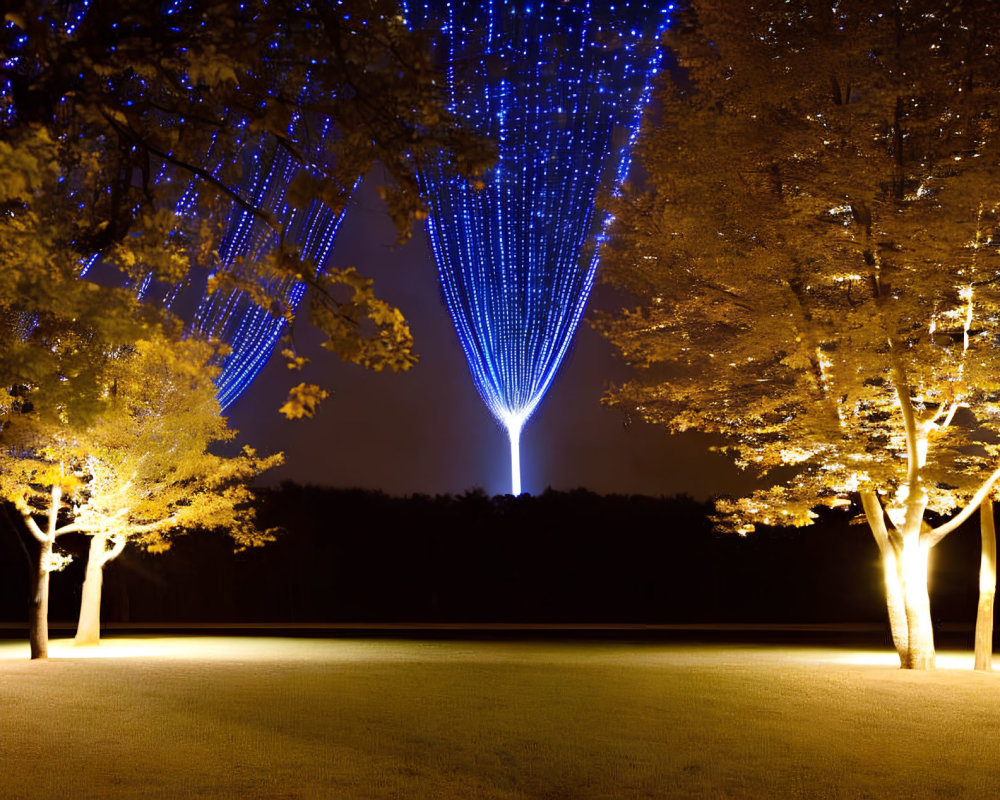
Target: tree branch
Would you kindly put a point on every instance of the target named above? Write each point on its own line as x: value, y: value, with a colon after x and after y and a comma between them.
x: 935, y: 535
x: 909, y: 420
x: 951, y: 414
x: 29, y: 521
x: 194, y: 170
x: 110, y: 555
x: 56, y: 495
x: 73, y: 527
x: 875, y: 515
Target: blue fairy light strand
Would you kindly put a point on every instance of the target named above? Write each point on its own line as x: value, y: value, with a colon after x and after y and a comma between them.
x: 560, y: 86
x: 231, y: 316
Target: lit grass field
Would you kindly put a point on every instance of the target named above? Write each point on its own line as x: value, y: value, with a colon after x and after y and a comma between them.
x: 186, y: 717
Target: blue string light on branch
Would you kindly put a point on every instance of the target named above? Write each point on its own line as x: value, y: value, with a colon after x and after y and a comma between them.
x: 252, y: 228
x: 232, y: 316
x: 560, y: 86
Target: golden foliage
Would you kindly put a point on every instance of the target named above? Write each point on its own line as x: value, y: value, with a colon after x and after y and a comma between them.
x: 293, y: 361
x: 816, y: 258
x: 142, y: 468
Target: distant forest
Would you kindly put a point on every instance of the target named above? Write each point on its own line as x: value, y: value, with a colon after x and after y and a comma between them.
x: 570, y: 557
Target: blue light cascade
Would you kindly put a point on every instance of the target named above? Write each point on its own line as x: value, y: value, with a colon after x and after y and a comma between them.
x: 560, y: 86
x: 232, y: 316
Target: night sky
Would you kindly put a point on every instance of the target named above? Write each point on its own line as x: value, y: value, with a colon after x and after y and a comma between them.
x: 427, y: 431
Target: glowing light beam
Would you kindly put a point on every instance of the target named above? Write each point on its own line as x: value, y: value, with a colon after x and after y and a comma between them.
x: 560, y: 86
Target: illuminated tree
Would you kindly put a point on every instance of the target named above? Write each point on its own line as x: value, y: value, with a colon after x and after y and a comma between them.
x: 123, y: 131
x: 147, y: 472
x: 53, y: 327
x: 560, y: 88
x: 139, y: 471
x: 818, y: 267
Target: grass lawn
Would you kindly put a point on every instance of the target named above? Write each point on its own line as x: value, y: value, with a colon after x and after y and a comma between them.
x: 185, y: 717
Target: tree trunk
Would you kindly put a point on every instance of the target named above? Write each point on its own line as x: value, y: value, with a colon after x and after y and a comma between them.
x: 38, y: 622
x: 987, y: 587
x: 894, y: 602
x: 919, y: 652
x: 890, y: 571
x: 88, y: 627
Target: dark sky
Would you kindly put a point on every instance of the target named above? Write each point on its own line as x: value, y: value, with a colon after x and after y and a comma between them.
x: 427, y: 430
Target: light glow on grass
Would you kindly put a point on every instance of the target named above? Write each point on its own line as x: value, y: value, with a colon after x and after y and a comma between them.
x: 269, y: 648
x: 889, y: 658
x: 380, y: 718
x: 202, y: 648
x: 115, y: 648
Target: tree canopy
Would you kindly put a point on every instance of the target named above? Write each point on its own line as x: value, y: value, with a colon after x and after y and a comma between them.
x: 816, y: 259
x: 113, y: 111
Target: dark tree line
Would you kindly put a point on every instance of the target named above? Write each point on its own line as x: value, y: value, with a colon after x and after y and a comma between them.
x: 361, y: 556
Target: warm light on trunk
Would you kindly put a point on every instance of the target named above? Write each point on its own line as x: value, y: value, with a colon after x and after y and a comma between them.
x: 88, y: 627
x: 987, y: 587
x: 919, y: 653
x: 38, y: 635
x: 894, y: 602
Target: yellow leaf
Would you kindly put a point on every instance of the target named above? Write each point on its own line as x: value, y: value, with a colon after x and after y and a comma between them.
x: 302, y: 400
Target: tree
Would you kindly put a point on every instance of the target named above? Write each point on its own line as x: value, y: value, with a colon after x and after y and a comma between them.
x: 817, y: 267
x: 114, y: 111
x: 139, y: 471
